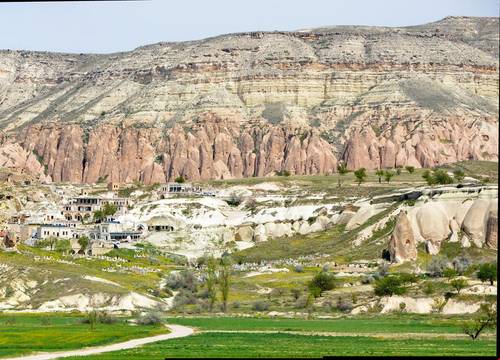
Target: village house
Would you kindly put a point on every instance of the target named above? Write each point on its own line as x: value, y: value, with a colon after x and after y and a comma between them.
x: 61, y: 231
x: 113, y: 186
x: 161, y: 223
x: 84, y: 206
x: 113, y: 231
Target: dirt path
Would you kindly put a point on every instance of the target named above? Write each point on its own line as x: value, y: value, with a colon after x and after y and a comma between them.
x: 176, y: 331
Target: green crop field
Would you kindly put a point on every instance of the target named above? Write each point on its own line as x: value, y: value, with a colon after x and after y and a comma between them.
x: 388, y: 323
x: 255, y: 345
x: 25, y: 333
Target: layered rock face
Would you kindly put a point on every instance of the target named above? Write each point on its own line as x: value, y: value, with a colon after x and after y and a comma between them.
x: 252, y: 104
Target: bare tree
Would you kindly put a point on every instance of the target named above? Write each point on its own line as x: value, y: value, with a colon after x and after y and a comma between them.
x: 224, y: 281
x: 487, y: 317
x: 211, y: 282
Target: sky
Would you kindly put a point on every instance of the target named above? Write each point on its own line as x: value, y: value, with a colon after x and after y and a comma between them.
x: 111, y: 26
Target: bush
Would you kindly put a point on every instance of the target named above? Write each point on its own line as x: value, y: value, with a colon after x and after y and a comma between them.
x: 460, y: 264
x: 343, y: 305
x: 106, y: 318
x: 234, y: 200
x: 296, y: 293
x: 368, y: 279
x: 180, y: 180
x: 459, y: 175
x: 322, y: 281
x: 408, y: 279
x: 458, y: 284
x: 437, y: 266
x: 388, y: 286
x: 260, y: 306
x: 184, y: 297
x: 301, y: 302
x: 149, y: 318
x: 429, y: 288
x: 236, y: 305
x: 410, y: 169
x: 298, y: 268
x: 438, y: 176
x: 182, y: 280
x: 283, y: 173
x: 487, y: 272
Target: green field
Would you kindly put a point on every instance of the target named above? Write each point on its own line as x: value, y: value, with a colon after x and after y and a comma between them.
x: 25, y: 333
x: 220, y: 345
x: 239, y: 343
x: 401, y: 323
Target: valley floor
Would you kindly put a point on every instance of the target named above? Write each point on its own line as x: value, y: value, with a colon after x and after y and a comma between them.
x: 402, y: 334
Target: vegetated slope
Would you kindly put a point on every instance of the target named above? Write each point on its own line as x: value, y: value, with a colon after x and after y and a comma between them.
x: 251, y: 104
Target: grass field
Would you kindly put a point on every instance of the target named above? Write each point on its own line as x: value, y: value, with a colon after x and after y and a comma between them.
x: 238, y: 345
x: 402, y: 323
x: 25, y: 333
x: 280, y: 344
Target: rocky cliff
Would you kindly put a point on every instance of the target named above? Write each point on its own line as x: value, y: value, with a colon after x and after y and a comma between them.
x: 251, y: 104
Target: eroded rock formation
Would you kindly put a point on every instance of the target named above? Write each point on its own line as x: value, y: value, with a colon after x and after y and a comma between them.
x: 252, y: 104
x: 402, y: 244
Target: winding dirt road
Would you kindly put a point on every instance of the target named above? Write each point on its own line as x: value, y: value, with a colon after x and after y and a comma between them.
x: 176, y: 331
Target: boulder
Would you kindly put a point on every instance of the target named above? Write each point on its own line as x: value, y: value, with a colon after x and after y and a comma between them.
x: 362, y: 215
x: 433, y: 225
x: 474, y: 223
x: 260, y: 233
x: 491, y: 240
x: 244, y: 233
x: 275, y: 230
x: 402, y: 245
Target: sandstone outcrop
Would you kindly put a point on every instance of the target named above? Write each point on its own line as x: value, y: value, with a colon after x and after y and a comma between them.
x: 433, y: 225
x: 475, y: 221
x: 253, y: 104
x: 402, y: 244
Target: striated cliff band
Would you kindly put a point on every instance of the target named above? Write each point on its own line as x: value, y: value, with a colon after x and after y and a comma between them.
x: 252, y: 104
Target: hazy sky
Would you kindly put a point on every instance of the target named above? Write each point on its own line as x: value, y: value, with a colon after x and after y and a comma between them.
x: 118, y: 26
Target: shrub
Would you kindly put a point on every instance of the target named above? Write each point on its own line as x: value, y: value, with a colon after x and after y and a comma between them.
x: 437, y: 266
x: 410, y: 169
x: 408, y: 279
x: 149, y: 318
x: 438, y: 176
x: 388, y: 175
x: 487, y: 272
x: 106, y: 318
x: 402, y: 306
x: 460, y: 264
x: 360, y: 175
x: 368, y: 279
x: 459, y: 175
x: 298, y: 268
x: 429, y: 288
x: 234, y: 200
x: 388, y: 286
x: 322, y: 281
x: 260, y: 306
x: 296, y: 293
x: 236, y: 305
x: 182, y: 280
x: 343, y: 305
x: 180, y: 180
x: 301, y: 302
x: 283, y: 173
x: 184, y: 297
x: 458, y: 284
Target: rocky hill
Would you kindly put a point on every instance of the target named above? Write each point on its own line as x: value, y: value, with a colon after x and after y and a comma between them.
x: 252, y: 104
